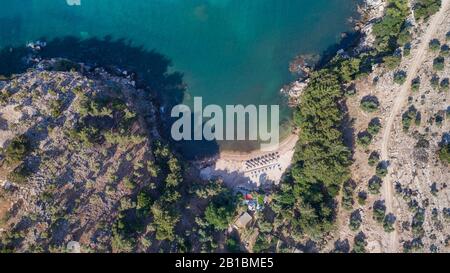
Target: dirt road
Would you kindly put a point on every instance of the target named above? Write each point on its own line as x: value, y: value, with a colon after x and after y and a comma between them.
x: 403, y: 92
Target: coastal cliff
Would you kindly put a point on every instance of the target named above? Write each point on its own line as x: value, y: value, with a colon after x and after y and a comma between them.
x: 81, y: 161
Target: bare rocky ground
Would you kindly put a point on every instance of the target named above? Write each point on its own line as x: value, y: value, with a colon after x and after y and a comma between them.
x: 419, y: 179
x: 73, y: 190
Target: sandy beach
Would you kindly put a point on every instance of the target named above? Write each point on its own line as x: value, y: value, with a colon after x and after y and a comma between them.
x: 251, y: 170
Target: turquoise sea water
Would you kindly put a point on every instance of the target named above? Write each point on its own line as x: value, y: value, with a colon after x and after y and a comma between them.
x: 229, y: 51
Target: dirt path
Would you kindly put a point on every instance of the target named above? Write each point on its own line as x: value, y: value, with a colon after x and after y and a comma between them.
x: 413, y: 68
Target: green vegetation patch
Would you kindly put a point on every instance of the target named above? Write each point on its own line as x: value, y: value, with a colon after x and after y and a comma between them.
x: 347, y: 194
x: 360, y: 243
x: 370, y: 104
x: 382, y: 169
x: 439, y: 63
x: 392, y: 62
x: 364, y: 139
x: 221, y: 210
x: 444, y: 153
x: 444, y: 85
x: 434, y: 45
x: 400, y: 77
x: 105, y: 119
x: 388, y: 30
x: 20, y: 174
x: 379, y: 211
x: 415, y: 84
x: 374, y: 159
x: 408, y: 117
x: 374, y: 126
x: 423, y: 9
x: 18, y: 149
x: 306, y: 199
x: 375, y: 184
x: 435, y: 80
x: 445, y: 51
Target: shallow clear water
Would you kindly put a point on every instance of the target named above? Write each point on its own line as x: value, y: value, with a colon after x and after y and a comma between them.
x: 230, y: 51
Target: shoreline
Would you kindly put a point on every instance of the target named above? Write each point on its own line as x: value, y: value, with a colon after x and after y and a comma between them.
x: 369, y: 10
x: 284, y: 146
x: 232, y: 166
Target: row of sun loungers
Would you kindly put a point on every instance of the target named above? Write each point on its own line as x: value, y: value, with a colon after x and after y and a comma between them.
x: 262, y: 161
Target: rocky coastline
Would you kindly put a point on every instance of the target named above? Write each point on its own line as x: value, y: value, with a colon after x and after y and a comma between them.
x: 370, y: 11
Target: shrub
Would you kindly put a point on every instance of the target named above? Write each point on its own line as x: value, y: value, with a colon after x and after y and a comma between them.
x: 438, y: 119
x: 439, y: 64
x: 220, y: 212
x: 355, y: 220
x: 347, y: 194
x: 262, y: 244
x: 423, y: 9
x: 120, y: 243
x: 417, y: 223
x: 364, y: 139
x: 388, y: 30
x: 153, y: 169
x: 349, y: 69
x: 362, y: 197
x: 413, y: 245
x: 407, y: 49
x: 360, y: 243
x: 382, y: 169
x: 374, y: 159
x: 446, y: 213
x: 408, y: 117
x: 389, y: 222
x: 415, y: 84
x: 370, y: 104
x: 379, y: 211
x: 392, y: 62
x: 400, y: 77
x: 4, y: 95
x: 444, y: 86
x: 218, y: 217
x: 435, y: 81
x: 447, y: 36
x: 87, y: 135
x: 444, y: 153
x: 418, y: 119
x: 18, y: 149
x: 233, y: 245
x: 350, y: 91
x: 404, y: 37
x: 129, y: 184
x: 144, y: 203
x: 445, y: 51
x: 375, y: 184
x: 435, y: 45
x: 56, y: 108
x: 164, y: 223
x: 374, y: 126
x: 20, y: 174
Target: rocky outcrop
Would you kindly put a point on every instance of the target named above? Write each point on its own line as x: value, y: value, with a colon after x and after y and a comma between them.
x: 87, y: 151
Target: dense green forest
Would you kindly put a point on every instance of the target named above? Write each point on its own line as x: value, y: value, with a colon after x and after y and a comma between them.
x: 307, y: 198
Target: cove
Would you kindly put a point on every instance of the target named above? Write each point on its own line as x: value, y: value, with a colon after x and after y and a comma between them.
x: 229, y: 51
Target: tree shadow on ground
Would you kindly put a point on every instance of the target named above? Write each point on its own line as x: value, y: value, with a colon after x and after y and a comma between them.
x: 152, y: 71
